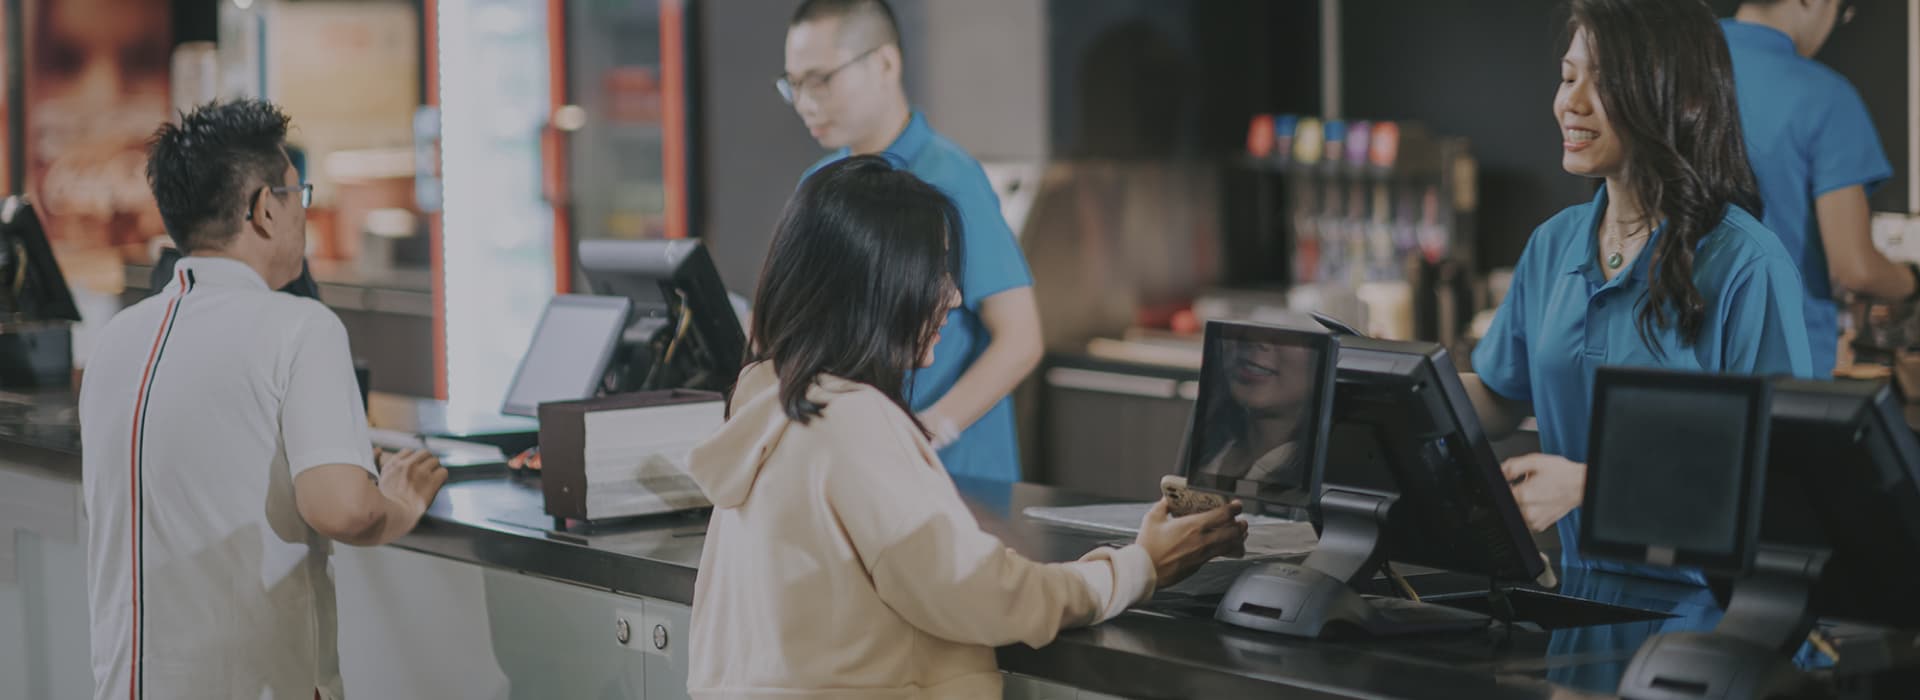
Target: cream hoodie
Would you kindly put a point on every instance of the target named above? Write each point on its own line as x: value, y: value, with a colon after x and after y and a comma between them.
x: 841, y: 563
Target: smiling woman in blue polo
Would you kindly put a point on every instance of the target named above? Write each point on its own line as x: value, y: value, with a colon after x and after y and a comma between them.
x: 1668, y: 266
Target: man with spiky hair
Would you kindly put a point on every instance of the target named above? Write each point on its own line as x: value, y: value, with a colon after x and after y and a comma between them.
x: 224, y: 443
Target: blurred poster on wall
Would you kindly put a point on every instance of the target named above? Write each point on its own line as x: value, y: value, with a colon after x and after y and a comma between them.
x: 349, y: 74
x: 96, y: 87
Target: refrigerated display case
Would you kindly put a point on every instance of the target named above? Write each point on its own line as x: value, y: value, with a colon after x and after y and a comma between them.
x: 559, y: 122
x: 627, y: 142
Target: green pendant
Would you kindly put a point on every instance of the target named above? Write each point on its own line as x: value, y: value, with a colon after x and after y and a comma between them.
x: 1613, y: 261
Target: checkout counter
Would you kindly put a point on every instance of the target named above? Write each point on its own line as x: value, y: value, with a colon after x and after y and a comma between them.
x: 484, y: 600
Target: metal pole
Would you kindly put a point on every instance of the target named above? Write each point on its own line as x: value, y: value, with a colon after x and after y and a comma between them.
x: 16, y: 57
x: 1330, y: 69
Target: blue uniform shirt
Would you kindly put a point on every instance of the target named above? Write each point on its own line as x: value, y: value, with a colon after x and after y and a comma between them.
x: 1563, y: 319
x: 994, y: 264
x: 1807, y: 134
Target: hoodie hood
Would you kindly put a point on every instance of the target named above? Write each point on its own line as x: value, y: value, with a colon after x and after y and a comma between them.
x: 726, y: 465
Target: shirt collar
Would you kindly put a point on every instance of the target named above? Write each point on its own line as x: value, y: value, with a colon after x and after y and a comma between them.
x: 1761, y: 35
x: 1585, y: 260
x: 217, y: 271
x: 912, y: 140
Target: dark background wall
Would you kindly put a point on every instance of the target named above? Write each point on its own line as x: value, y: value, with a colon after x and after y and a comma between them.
x: 1872, y: 52
x: 1486, y: 70
x: 753, y: 148
x: 1155, y: 79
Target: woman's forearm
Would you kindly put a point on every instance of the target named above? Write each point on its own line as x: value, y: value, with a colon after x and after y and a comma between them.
x: 1499, y: 415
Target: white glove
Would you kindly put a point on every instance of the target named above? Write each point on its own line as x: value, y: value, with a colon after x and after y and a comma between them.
x: 945, y: 431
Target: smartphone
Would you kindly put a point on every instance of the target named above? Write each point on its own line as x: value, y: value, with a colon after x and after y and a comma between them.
x: 1183, y: 501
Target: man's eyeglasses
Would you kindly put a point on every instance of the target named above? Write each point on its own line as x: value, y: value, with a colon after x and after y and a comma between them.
x: 813, y: 86
x: 305, y: 190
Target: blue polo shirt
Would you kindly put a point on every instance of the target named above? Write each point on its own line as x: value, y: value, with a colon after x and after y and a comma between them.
x: 1563, y: 319
x: 987, y: 449
x: 1807, y: 133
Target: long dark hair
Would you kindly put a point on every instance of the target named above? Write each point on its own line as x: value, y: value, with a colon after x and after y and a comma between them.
x: 1666, y: 81
x: 862, y: 266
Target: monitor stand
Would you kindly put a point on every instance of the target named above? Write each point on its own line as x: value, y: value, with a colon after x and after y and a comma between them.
x: 633, y: 357
x: 1750, y: 653
x: 1316, y: 598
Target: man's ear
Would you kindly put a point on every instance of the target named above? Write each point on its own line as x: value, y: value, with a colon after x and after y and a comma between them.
x: 257, y: 206
x: 891, y: 62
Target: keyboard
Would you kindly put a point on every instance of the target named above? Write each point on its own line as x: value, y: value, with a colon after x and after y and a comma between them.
x: 450, y: 452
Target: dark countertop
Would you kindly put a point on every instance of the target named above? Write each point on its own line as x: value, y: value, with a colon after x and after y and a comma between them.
x: 1170, y: 648
x: 1165, y: 651
x: 47, y: 420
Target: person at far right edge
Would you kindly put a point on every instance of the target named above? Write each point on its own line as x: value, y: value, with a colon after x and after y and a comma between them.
x: 1816, y: 157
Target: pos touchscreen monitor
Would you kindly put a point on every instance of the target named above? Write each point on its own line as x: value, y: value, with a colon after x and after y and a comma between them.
x: 1409, y: 477
x: 1675, y: 468
x: 1260, y: 422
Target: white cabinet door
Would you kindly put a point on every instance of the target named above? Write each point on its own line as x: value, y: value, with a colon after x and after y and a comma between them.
x: 665, y: 638
x: 414, y: 626
x: 44, y: 626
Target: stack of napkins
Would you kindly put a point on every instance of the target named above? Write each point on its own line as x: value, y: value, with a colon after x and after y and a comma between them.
x: 625, y: 455
x: 636, y: 458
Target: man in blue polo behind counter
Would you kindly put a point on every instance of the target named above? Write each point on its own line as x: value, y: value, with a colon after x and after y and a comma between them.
x: 1816, y: 157
x: 843, y: 77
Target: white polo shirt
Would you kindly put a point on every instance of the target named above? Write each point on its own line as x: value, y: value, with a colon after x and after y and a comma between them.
x: 199, y: 406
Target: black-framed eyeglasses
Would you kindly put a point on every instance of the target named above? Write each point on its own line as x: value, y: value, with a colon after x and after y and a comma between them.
x: 305, y: 190
x: 814, y: 86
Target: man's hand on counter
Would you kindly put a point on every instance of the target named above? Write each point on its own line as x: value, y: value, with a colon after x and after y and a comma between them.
x: 344, y: 503
x: 412, y: 478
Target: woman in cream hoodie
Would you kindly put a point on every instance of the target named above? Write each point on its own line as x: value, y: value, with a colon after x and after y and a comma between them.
x: 840, y: 561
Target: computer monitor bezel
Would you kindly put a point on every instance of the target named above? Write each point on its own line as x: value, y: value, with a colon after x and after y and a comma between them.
x: 1867, y: 579
x: 684, y: 264
x: 52, y: 299
x: 1325, y: 348
x: 599, y: 368
x: 1407, y: 368
x: 1757, y: 391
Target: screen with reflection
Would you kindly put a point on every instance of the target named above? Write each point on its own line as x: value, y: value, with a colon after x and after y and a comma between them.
x: 1260, y: 419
